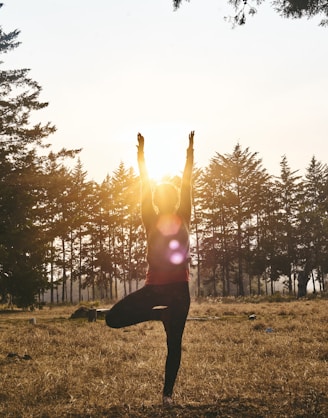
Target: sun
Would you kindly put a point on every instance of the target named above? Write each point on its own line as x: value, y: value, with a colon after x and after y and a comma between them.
x: 160, y: 170
x: 163, y: 162
x: 165, y: 150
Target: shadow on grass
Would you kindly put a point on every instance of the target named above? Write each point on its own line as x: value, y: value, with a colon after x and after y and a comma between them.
x: 10, y: 311
x: 229, y: 408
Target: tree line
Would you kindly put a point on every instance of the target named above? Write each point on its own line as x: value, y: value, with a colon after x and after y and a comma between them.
x: 249, y: 228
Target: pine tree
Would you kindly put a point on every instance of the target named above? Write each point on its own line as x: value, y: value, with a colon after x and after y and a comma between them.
x: 245, y: 178
x: 288, y: 193
x: 312, y: 216
x: 22, y: 243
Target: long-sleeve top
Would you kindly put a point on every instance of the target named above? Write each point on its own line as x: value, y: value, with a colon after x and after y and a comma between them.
x: 168, y: 254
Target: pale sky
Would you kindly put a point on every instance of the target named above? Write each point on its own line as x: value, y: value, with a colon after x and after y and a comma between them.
x: 112, y: 68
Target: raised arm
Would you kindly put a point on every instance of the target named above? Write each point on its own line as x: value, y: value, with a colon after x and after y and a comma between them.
x: 147, y: 208
x: 185, y: 199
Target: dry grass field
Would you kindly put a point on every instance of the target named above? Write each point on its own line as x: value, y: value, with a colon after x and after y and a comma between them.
x: 273, y: 366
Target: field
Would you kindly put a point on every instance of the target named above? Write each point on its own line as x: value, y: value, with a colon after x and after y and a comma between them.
x: 273, y: 366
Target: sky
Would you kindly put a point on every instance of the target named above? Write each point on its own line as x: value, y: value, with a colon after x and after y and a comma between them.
x: 110, y: 69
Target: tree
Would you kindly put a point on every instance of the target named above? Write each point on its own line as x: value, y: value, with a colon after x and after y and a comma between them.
x: 216, y: 247
x: 127, y: 214
x: 246, y: 179
x: 78, y: 215
x: 286, y: 8
x: 196, y: 223
x: 23, y: 249
x: 106, y: 234
x: 26, y: 188
x: 265, y: 255
x: 231, y: 191
x: 90, y: 248
x: 22, y: 261
x: 312, y: 216
x: 288, y: 193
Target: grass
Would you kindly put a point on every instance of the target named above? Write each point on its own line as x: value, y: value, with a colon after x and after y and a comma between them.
x: 274, y: 366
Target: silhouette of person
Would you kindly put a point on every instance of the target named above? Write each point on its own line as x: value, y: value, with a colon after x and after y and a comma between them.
x: 165, y: 296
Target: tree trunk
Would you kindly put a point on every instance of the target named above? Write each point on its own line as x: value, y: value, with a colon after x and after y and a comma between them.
x: 228, y: 280
x: 259, y: 285
x: 290, y: 284
x: 52, y: 273
x: 303, y: 279
x: 110, y: 286
x: 313, y: 282
x: 214, y: 282
x: 71, y: 267
x: 198, y: 261
x: 224, y: 291
x: 80, y: 265
x: 241, y: 291
x: 250, y: 284
x: 64, y: 292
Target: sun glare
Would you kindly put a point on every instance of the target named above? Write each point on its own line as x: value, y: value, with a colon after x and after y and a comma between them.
x: 158, y: 171
x: 163, y: 163
x: 165, y: 149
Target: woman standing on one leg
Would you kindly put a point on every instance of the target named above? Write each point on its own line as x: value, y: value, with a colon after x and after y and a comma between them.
x: 166, y: 217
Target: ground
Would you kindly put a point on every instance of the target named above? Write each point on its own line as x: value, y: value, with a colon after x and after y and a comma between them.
x: 272, y: 366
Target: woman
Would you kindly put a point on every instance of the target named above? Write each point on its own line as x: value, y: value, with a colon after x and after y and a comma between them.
x: 165, y: 296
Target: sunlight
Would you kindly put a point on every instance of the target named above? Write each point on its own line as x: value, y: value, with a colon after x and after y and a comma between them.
x: 164, y: 162
x: 159, y: 171
x: 165, y: 149
x: 169, y: 225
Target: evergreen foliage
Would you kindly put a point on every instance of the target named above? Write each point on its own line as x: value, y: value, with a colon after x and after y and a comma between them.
x: 293, y: 9
x: 23, y: 238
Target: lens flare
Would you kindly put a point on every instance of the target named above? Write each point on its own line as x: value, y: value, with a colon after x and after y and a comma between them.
x: 169, y: 224
x: 174, y: 244
x: 176, y: 258
x: 176, y: 254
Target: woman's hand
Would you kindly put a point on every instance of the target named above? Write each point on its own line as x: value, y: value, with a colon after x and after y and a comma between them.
x: 141, y: 142
x: 190, y: 149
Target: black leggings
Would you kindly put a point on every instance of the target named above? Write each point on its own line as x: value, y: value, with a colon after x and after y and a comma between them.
x: 138, y: 307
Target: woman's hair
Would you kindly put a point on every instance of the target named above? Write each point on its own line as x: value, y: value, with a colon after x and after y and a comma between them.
x: 166, y: 195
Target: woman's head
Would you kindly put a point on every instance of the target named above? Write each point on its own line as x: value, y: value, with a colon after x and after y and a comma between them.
x: 166, y: 198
